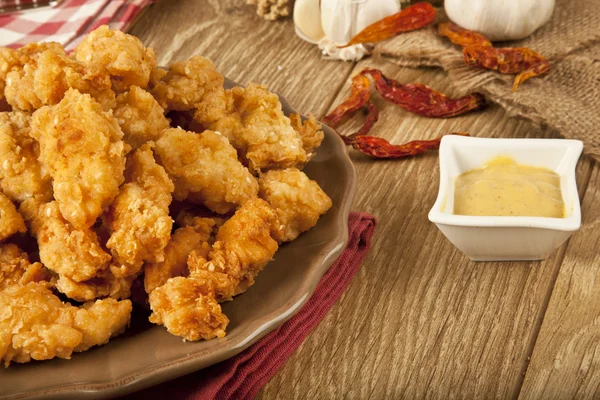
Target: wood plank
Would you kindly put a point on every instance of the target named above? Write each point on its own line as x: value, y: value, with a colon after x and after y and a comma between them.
x: 566, y: 359
x: 244, y: 48
x: 420, y: 319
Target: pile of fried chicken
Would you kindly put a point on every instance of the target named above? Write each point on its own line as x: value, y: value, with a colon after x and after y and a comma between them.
x: 123, y: 180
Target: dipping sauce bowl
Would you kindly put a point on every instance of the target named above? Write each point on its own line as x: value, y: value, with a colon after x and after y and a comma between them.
x: 504, y: 238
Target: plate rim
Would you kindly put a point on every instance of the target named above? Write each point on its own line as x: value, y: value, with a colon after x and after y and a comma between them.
x: 155, y: 374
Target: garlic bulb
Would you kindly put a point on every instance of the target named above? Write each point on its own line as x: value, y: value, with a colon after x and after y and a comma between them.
x: 331, y: 23
x: 500, y: 19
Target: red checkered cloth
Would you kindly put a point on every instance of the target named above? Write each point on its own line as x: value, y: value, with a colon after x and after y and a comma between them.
x: 68, y: 22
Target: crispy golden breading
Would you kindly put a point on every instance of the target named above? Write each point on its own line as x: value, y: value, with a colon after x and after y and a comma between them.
x: 64, y: 249
x: 11, y: 221
x: 139, y: 218
x: 297, y: 201
x: 21, y: 174
x: 15, y: 59
x: 205, y: 169
x: 242, y: 249
x: 183, y: 242
x: 16, y: 268
x: 125, y: 57
x: 256, y: 126
x: 310, y: 132
x: 82, y: 147
x: 105, y: 284
x: 141, y: 118
x: 187, y: 309
x: 35, y: 324
x: 45, y: 78
x: 188, y: 83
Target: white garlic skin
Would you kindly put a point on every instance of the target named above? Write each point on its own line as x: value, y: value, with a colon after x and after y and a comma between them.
x: 307, y: 19
x: 500, y: 20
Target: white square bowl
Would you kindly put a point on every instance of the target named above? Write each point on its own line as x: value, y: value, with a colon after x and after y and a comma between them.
x: 506, y: 238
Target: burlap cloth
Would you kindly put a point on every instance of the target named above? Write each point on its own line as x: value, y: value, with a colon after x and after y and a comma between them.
x: 566, y: 99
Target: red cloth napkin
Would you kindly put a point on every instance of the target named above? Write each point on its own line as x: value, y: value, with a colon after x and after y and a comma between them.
x: 68, y: 22
x: 241, y: 377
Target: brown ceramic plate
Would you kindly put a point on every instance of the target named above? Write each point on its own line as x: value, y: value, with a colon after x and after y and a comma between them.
x: 148, y: 355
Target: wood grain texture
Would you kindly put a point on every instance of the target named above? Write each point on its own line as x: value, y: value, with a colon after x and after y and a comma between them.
x: 566, y: 360
x: 419, y: 319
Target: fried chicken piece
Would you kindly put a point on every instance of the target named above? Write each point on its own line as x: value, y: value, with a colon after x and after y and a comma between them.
x: 188, y: 83
x: 205, y: 169
x: 187, y: 309
x: 310, y: 132
x: 139, y: 218
x: 11, y: 221
x: 63, y: 249
x: 15, y: 59
x: 82, y: 147
x: 45, y: 78
x: 103, y: 285
x: 140, y: 117
x: 124, y: 56
x: 21, y: 176
x: 183, y: 242
x: 297, y: 201
x: 16, y: 268
x: 242, y: 249
x: 35, y: 324
x: 256, y: 126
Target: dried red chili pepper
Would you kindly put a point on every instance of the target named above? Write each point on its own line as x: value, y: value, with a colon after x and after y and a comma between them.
x: 372, y: 117
x: 479, y: 52
x: 360, y: 94
x: 522, y: 61
x: 423, y: 100
x: 411, y: 18
x: 461, y: 36
x: 381, y: 148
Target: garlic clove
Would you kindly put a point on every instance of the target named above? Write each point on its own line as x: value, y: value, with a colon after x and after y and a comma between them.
x: 307, y: 19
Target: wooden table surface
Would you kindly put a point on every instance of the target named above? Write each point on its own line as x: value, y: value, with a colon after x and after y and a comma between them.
x: 419, y: 319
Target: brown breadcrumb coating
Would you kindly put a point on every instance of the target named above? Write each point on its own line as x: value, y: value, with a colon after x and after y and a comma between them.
x: 205, y: 169
x: 124, y: 56
x: 16, y: 268
x: 82, y: 147
x: 183, y: 242
x: 35, y: 324
x: 141, y: 118
x: 11, y: 221
x: 297, y: 201
x: 15, y: 59
x: 310, y: 132
x: 139, y: 219
x: 63, y: 249
x: 242, y: 248
x: 256, y: 126
x: 105, y: 284
x: 21, y: 174
x: 46, y: 77
x: 188, y: 83
x: 187, y: 309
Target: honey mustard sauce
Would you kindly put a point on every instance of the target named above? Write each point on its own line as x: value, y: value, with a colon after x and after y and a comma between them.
x: 504, y: 188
